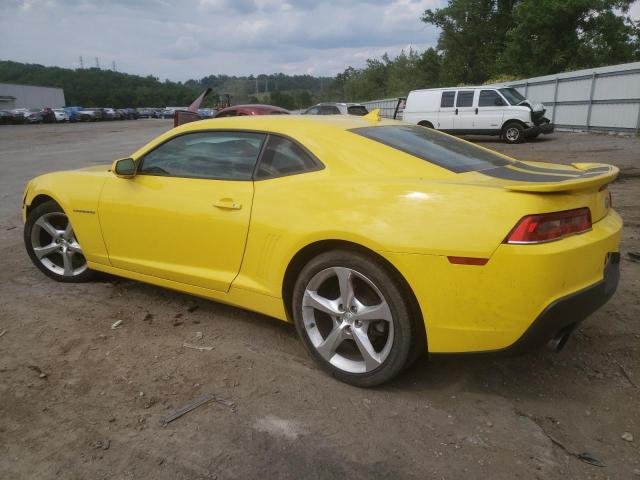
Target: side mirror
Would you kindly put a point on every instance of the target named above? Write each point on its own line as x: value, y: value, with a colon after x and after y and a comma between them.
x: 124, y: 168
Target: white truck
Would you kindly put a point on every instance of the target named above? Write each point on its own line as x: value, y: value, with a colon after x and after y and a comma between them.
x: 485, y: 110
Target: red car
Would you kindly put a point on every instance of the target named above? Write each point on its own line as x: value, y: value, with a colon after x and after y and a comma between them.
x: 238, y: 110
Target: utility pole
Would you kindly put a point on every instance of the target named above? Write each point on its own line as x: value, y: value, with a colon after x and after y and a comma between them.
x: 266, y: 84
x: 256, y: 85
x: 81, y: 63
x: 113, y: 66
x: 97, y: 62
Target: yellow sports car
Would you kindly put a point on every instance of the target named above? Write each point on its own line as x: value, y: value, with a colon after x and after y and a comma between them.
x: 380, y: 240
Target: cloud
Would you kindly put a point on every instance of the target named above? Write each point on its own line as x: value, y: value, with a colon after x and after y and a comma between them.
x: 194, y: 38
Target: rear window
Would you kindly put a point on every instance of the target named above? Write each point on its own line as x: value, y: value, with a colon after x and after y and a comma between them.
x: 357, y: 110
x: 434, y: 147
x: 447, y: 99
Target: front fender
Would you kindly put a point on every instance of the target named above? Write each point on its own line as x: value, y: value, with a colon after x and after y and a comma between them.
x: 77, y: 192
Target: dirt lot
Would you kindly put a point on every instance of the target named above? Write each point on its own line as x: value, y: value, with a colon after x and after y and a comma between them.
x: 80, y: 400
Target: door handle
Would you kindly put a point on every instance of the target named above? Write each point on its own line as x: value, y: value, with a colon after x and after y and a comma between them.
x: 227, y: 204
x: 456, y: 111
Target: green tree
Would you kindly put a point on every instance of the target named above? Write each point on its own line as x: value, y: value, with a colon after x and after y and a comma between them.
x: 551, y: 36
x: 473, y: 35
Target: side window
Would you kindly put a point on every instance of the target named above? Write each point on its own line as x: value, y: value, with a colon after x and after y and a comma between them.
x: 447, y: 99
x: 216, y: 155
x: 313, y: 111
x: 229, y: 113
x: 283, y: 157
x: 489, y: 98
x: 329, y: 110
x: 465, y: 98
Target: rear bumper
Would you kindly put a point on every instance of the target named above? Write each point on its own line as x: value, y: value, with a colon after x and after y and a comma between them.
x: 564, y: 314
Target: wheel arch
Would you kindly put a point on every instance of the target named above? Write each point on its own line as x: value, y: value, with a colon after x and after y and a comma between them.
x: 512, y: 120
x: 38, y: 200
x: 426, y: 123
x: 305, y: 254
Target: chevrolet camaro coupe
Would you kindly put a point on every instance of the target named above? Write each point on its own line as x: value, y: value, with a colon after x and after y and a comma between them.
x: 378, y: 239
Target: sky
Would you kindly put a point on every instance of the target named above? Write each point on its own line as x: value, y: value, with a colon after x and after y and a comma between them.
x: 183, y: 39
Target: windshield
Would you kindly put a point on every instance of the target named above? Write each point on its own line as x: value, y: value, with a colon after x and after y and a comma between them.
x: 512, y: 95
x: 434, y: 147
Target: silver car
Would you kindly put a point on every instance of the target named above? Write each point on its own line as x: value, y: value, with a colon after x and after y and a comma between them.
x: 336, y: 108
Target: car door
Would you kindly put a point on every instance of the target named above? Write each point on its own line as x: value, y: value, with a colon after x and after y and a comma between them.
x: 184, y: 216
x: 447, y: 110
x: 490, y: 111
x: 465, y: 111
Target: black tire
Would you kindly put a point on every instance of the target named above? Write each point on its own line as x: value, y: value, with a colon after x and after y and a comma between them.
x: 513, y: 132
x: 42, y: 210
x: 405, y: 333
x: 426, y: 124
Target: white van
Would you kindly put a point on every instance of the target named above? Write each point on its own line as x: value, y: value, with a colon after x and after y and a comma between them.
x: 499, y: 111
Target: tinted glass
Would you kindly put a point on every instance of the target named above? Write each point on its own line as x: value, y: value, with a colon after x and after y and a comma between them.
x: 228, y: 113
x: 434, y: 147
x: 447, y: 99
x: 313, y: 111
x: 220, y: 155
x: 489, y: 98
x: 357, y: 110
x: 465, y: 98
x: 512, y: 95
x: 329, y: 110
x: 283, y: 157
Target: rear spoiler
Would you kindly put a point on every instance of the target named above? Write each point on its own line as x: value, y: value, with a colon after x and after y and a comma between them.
x: 595, y: 175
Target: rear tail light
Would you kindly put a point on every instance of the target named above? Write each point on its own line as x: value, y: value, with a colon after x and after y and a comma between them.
x: 547, y: 227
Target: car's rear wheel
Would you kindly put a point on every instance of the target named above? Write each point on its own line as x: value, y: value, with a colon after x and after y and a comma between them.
x: 352, y: 316
x: 52, y: 245
x: 513, y: 132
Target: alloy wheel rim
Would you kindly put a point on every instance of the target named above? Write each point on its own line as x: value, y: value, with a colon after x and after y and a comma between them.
x: 55, y: 245
x: 512, y: 134
x: 347, y: 320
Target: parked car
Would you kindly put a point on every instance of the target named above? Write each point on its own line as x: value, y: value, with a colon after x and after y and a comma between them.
x: 9, y: 117
x: 108, y: 114
x: 167, y: 113
x: 29, y: 115
x: 378, y: 239
x: 251, y: 109
x: 48, y: 116
x: 61, y: 115
x: 207, y: 112
x: 335, y: 108
x: 90, y: 114
x: 73, y: 113
x: 499, y: 111
x: 144, y: 112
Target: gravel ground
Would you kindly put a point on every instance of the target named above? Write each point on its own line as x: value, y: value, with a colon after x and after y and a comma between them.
x: 79, y: 399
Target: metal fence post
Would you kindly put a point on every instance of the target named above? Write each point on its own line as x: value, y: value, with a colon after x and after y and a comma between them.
x: 555, y: 101
x: 593, y: 85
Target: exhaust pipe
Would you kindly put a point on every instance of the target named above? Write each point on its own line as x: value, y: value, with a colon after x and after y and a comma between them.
x: 560, y: 339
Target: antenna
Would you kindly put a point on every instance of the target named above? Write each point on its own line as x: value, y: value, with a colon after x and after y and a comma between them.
x: 81, y: 63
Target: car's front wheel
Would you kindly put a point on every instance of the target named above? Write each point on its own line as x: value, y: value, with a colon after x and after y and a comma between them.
x: 353, y: 317
x: 513, y: 133
x: 52, y: 245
